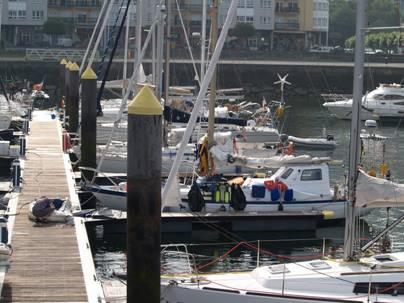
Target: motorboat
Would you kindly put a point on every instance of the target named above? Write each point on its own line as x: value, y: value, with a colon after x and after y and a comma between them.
x: 385, y: 102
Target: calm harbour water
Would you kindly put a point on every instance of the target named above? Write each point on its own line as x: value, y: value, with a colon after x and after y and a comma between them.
x: 305, y: 118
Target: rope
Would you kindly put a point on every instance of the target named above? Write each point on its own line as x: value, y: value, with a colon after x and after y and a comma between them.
x: 188, y: 44
x: 110, y: 40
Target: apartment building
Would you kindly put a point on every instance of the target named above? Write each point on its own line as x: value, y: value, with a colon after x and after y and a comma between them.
x: 282, y: 24
x: 79, y: 16
x: 22, y: 21
x: 300, y: 24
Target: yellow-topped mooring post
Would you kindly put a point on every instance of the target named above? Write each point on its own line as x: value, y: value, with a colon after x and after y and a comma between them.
x: 61, y: 87
x: 144, y: 197
x: 74, y: 97
x: 88, y: 122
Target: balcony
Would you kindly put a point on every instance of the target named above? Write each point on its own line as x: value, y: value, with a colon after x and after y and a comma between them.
x: 291, y: 26
x: 187, y: 7
x: 74, y: 4
x: 85, y: 22
x: 287, y: 10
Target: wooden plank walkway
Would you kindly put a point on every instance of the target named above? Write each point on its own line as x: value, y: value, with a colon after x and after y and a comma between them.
x: 45, y: 265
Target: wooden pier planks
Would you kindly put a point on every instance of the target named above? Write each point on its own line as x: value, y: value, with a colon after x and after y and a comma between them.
x: 45, y: 265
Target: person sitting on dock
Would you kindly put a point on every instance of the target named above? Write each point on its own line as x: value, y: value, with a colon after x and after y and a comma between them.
x: 42, y: 209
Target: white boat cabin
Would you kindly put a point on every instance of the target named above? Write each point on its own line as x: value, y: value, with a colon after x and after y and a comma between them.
x: 295, y: 183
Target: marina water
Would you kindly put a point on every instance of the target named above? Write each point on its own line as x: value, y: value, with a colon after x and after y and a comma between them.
x: 305, y: 118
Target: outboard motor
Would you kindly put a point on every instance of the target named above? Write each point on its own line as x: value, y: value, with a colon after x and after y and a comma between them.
x: 330, y: 137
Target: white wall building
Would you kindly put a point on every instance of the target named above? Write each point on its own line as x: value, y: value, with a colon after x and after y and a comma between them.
x: 22, y: 19
x: 260, y: 13
x: 321, y: 20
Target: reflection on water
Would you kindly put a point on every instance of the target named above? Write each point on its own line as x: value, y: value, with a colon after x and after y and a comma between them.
x: 306, y: 118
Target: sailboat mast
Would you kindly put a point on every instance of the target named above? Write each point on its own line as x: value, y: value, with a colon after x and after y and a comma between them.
x: 198, y: 103
x: 203, y: 39
x: 168, y: 49
x: 354, y: 143
x: 212, y: 95
x: 138, y: 42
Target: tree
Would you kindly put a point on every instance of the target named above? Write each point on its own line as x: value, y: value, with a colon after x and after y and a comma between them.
x: 343, y: 17
x: 342, y: 21
x: 54, y: 26
x: 243, y: 31
x: 383, y: 13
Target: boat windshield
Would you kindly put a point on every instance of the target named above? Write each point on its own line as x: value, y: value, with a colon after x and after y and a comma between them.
x: 311, y: 175
x: 287, y: 173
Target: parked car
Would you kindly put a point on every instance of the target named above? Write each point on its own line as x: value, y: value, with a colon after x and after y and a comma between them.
x: 321, y: 49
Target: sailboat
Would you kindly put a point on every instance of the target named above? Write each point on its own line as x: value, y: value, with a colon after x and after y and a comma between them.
x: 378, y: 278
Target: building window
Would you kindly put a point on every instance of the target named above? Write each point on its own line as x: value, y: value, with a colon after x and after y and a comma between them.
x: 37, y: 15
x: 12, y: 14
x: 22, y: 14
x: 266, y: 3
x: 245, y: 4
x: 240, y: 19
x: 265, y: 20
x: 252, y: 43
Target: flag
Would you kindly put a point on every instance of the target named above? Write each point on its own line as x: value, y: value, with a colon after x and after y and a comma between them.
x: 37, y: 86
x: 264, y: 102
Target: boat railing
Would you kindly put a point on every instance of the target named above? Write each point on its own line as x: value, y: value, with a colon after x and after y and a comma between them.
x: 335, y: 97
x: 185, y: 262
x: 96, y: 173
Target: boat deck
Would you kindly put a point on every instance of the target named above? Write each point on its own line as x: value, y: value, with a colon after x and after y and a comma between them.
x: 49, y: 263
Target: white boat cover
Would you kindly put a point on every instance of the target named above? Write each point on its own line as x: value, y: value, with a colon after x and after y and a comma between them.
x: 376, y: 192
x: 259, y: 163
x: 312, y: 141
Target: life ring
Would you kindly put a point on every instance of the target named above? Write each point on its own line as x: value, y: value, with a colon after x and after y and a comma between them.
x: 196, y: 201
x: 282, y: 186
x: 238, y: 200
x: 270, y: 184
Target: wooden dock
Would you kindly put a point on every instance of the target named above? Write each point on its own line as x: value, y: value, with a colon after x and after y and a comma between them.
x: 50, y: 262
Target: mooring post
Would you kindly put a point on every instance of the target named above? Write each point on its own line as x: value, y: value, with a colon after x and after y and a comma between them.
x: 67, y: 94
x: 16, y: 173
x: 62, y: 71
x: 74, y: 98
x: 88, y: 122
x: 144, y: 197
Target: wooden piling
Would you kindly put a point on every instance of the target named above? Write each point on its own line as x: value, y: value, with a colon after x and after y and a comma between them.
x: 67, y: 93
x: 62, y: 71
x: 144, y: 198
x: 88, y: 122
x: 74, y: 97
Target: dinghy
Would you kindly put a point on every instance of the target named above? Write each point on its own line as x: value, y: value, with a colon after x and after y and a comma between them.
x: 313, y: 143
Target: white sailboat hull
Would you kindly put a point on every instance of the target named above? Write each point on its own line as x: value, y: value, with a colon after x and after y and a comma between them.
x: 375, y: 279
